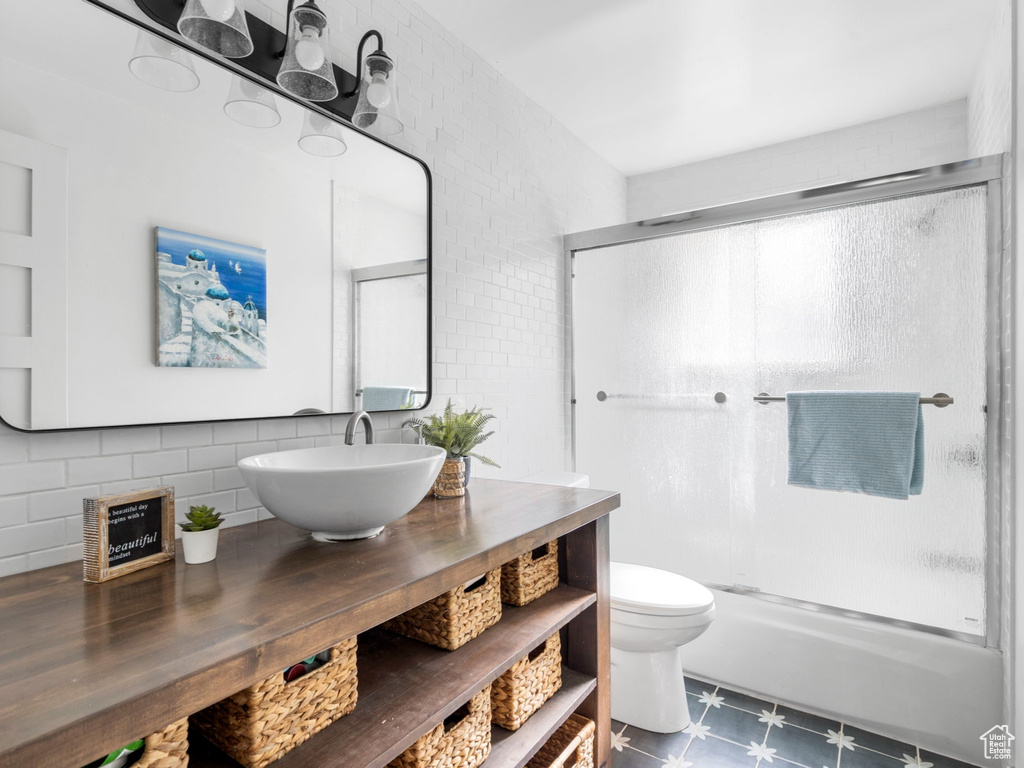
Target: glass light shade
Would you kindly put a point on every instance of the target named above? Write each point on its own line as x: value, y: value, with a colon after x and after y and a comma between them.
x: 377, y: 109
x: 306, y: 69
x: 321, y: 136
x: 162, y: 64
x: 218, y: 26
x: 251, y: 105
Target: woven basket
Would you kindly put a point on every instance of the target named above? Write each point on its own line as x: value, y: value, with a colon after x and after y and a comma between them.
x: 571, y: 746
x: 262, y: 723
x: 451, y: 480
x: 167, y: 748
x: 454, y: 618
x: 465, y: 743
x: 527, y: 684
x: 529, y: 576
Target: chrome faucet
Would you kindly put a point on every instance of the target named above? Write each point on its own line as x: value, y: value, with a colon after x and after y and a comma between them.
x: 350, y: 428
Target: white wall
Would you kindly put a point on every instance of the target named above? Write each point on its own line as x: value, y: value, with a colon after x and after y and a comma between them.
x: 903, y: 142
x: 508, y: 182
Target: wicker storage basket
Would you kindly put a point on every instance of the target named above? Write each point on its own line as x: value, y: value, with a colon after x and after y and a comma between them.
x: 527, y: 684
x: 262, y: 723
x: 571, y: 746
x: 454, y: 618
x: 528, y: 576
x: 167, y: 748
x: 465, y: 743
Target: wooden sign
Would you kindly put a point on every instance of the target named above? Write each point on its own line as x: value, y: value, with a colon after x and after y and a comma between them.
x: 126, y: 532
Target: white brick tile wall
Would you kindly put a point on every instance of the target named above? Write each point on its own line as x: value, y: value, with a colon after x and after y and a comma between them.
x: 186, y: 435
x: 113, y: 441
x: 13, y: 511
x: 55, y: 445
x: 40, y: 476
x: 101, y: 470
x: 11, y: 565
x: 234, y: 432
x: 47, y: 557
x: 251, y: 449
x: 13, y: 449
x: 276, y: 429
x: 212, y: 457
x: 60, y: 504
x: 227, y: 479
x: 22, y: 539
x: 162, y: 463
x: 190, y: 483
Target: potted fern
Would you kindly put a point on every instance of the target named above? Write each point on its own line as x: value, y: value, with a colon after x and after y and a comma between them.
x: 458, y: 434
x: 199, y: 534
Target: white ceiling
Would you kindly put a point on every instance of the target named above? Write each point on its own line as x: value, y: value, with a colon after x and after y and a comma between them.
x: 650, y: 84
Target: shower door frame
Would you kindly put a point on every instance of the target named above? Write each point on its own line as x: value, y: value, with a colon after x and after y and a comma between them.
x: 988, y: 171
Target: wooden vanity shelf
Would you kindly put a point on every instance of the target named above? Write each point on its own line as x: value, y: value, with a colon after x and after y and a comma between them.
x: 90, y: 666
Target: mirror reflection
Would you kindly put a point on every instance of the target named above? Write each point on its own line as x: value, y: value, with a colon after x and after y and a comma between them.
x: 198, y: 249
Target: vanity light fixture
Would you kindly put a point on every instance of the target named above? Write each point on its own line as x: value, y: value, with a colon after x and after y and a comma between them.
x: 306, y: 69
x: 162, y: 64
x: 218, y: 26
x: 377, y: 107
x: 321, y: 136
x: 251, y: 105
x: 299, y: 60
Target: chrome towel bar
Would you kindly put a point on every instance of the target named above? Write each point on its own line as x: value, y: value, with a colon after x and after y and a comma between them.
x: 939, y: 399
x: 719, y: 397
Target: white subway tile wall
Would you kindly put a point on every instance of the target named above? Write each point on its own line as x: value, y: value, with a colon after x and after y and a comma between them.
x: 903, y: 142
x: 508, y: 182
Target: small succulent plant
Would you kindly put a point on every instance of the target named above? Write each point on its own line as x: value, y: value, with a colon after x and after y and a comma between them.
x: 201, y: 518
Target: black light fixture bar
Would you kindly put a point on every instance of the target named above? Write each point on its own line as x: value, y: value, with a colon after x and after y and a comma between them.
x: 264, y: 60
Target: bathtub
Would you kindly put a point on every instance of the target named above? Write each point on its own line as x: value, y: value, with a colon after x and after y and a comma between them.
x: 938, y: 693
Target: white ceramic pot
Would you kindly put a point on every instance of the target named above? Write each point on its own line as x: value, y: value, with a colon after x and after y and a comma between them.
x: 199, y: 546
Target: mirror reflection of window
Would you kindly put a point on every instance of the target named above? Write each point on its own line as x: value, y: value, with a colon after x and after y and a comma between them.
x: 391, y: 340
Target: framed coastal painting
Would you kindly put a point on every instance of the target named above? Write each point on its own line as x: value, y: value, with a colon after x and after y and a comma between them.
x: 211, y: 302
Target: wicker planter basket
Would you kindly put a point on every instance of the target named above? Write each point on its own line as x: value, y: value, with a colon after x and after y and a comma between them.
x: 529, y: 682
x: 571, y: 746
x: 262, y: 723
x: 454, y: 618
x: 451, y: 480
x: 529, y: 576
x: 462, y: 741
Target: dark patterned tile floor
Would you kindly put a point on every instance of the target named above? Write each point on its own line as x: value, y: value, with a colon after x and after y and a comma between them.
x: 735, y: 730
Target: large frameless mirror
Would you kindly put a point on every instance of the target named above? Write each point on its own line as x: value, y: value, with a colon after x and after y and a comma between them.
x: 203, y: 250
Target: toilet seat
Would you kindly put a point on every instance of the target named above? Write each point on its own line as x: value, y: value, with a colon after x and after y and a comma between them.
x: 654, y: 592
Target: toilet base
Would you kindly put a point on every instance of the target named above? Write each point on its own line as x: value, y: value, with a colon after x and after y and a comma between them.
x: 648, y: 690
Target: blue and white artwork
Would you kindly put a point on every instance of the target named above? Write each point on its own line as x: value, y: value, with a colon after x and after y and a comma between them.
x: 211, y: 302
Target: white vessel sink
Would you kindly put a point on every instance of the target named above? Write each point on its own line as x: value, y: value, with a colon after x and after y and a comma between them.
x: 343, y: 491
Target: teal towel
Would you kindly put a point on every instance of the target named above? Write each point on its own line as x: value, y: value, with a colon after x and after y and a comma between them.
x: 385, y: 398
x: 866, y: 442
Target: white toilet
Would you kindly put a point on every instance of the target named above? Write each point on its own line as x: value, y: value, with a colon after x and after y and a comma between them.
x: 653, y: 613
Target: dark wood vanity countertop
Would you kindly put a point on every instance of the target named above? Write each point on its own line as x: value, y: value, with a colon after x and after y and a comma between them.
x: 84, y: 666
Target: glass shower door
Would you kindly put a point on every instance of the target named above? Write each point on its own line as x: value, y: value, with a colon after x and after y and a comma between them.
x: 885, y: 295
x: 661, y: 327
